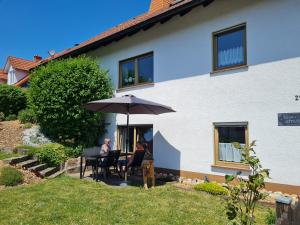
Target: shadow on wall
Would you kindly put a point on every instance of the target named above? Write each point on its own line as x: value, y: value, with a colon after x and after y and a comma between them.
x: 165, y: 154
x: 110, y: 128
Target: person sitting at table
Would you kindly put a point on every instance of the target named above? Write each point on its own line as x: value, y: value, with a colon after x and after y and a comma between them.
x: 105, y: 148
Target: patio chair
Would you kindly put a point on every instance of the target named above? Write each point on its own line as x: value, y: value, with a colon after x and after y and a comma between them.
x: 116, y: 155
x: 106, y: 163
x: 90, y: 160
x: 137, y: 161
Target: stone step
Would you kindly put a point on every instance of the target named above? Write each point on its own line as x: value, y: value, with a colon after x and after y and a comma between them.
x: 48, y: 171
x: 18, y: 159
x: 58, y: 173
x: 28, y: 163
x: 38, y: 167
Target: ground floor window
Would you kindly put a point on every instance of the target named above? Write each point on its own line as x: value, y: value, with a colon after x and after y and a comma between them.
x: 139, y: 135
x: 225, y: 134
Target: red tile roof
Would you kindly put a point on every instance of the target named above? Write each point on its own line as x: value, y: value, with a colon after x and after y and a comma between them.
x: 21, y: 64
x: 139, y: 20
x: 23, y: 81
x: 3, y: 77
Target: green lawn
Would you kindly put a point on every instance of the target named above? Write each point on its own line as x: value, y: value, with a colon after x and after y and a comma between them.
x: 70, y: 201
x: 6, y: 155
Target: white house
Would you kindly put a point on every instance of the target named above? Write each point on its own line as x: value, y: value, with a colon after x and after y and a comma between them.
x: 229, y: 69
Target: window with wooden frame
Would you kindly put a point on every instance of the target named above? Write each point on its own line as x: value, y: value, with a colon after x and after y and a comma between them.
x: 136, y: 70
x: 139, y: 135
x: 225, y: 134
x: 230, y: 48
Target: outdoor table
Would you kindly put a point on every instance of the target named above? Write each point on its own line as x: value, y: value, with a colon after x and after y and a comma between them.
x: 97, y: 158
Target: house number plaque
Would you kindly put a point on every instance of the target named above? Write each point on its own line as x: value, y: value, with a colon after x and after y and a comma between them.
x: 288, y: 119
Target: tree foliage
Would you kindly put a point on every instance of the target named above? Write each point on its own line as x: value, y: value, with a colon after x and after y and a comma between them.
x: 57, y: 92
x: 12, y: 99
x: 246, y: 192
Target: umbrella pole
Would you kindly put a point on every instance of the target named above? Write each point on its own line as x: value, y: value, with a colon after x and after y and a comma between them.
x: 127, y: 147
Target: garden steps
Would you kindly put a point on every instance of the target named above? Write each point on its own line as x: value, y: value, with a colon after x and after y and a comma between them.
x: 38, y: 167
x: 18, y: 159
x: 48, y: 171
x: 28, y: 163
x: 56, y: 174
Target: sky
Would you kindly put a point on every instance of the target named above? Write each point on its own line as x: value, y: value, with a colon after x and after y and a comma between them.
x: 33, y: 27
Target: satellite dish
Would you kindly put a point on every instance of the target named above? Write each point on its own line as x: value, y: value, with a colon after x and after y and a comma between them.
x: 51, y: 52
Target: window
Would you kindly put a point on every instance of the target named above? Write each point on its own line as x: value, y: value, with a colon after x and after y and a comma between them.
x: 142, y: 134
x: 137, y: 70
x: 225, y: 134
x: 229, y: 47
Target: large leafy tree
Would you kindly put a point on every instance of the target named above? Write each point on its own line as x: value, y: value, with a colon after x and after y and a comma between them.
x: 57, y: 92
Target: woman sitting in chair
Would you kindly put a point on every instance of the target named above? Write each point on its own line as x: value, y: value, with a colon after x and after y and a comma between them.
x: 105, y: 148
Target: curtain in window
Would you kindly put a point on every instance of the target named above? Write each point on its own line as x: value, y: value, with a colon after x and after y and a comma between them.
x: 228, y: 153
x: 231, y: 56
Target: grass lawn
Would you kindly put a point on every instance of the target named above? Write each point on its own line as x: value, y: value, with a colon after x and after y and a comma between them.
x: 70, y: 201
x: 6, y: 155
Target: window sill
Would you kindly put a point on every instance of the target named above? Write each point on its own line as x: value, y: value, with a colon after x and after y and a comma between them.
x: 215, y: 72
x: 241, y: 167
x: 137, y: 86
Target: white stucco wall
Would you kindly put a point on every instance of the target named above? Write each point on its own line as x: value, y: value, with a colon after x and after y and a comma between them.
x: 182, y: 64
x: 13, y: 75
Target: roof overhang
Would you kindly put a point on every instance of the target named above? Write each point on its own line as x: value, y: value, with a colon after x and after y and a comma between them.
x: 144, y: 25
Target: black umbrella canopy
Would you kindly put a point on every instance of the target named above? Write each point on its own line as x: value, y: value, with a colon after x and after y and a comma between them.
x: 128, y: 104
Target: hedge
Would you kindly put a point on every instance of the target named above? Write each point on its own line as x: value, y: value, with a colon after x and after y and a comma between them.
x: 12, y: 99
x: 212, y: 188
x: 57, y: 92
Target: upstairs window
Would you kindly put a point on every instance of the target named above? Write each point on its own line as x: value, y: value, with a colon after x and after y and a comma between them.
x: 137, y: 70
x: 229, y: 47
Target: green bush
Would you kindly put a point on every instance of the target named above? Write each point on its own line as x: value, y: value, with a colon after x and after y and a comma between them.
x: 212, y: 188
x: 12, y: 99
x: 2, y: 116
x: 10, y: 176
x: 270, y: 217
x: 27, y: 116
x: 73, y: 152
x: 11, y: 117
x: 52, y: 154
x: 57, y: 92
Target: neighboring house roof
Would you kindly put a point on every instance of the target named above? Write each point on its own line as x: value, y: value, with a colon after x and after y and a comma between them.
x: 3, y: 76
x: 23, y: 81
x: 21, y: 64
x: 129, y: 28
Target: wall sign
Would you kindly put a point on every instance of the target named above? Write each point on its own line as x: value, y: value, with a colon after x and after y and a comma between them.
x: 288, y: 119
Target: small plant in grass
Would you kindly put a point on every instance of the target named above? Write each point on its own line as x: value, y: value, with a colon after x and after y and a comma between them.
x: 246, y: 192
x: 10, y: 176
x: 270, y: 217
x: 52, y: 154
x: 212, y: 188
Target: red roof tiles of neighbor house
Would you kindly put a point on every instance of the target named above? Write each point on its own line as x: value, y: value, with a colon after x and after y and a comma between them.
x: 22, y: 81
x: 157, y: 8
x: 3, y: 75
x: 21, y: 64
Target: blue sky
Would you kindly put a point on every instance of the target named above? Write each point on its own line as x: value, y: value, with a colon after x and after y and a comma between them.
x: 30, y: 27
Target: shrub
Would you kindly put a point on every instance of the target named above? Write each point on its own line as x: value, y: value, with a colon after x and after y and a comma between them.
x: 12, y: 99
x: 73, y: 152
x: 270, y: 217
x: 27, y: 125
x: 246, y: 192
x: 57, y: 92
x: 212, y: 188
x: 11, y: 117
x: 27, y: 116
x: 2, y: 116
x: 52, y: 154
x: 10, y: 176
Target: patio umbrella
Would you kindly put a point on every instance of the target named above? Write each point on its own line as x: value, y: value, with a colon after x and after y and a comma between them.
x: 127, y: 104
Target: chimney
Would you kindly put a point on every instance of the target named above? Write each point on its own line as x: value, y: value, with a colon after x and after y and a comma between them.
x: 157, y: 5
x: 37, y: 58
